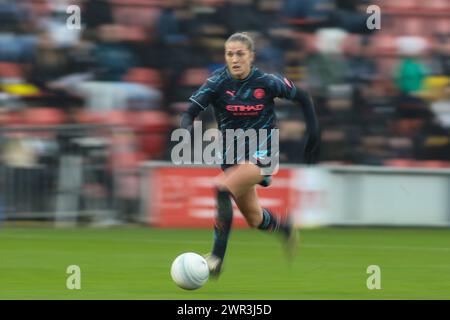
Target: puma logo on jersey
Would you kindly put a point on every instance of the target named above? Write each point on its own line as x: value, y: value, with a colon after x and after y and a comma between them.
x: 288, y: 83
x: 231, y: 93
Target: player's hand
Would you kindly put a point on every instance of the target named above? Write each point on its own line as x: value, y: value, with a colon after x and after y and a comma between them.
x: 187, y: 122
x: 311, y: 151
x: 190, y: 128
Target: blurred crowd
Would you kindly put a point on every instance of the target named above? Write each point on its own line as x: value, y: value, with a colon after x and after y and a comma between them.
x: 382, y: 96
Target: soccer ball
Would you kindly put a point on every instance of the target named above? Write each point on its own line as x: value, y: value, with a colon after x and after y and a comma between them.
x: 189, y: 271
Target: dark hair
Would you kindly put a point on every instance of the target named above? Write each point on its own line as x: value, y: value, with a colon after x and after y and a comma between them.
x: 243, y: 37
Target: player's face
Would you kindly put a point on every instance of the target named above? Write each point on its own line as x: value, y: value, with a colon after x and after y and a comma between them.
x: 239, y: 59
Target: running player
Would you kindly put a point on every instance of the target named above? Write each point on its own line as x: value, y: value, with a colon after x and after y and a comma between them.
x: 242, y: 97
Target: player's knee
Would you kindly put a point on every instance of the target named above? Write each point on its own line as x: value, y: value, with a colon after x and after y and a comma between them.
x: 220, y: 185
x: 223, y: 188
x: 253, y: 220
x: 253, y: 223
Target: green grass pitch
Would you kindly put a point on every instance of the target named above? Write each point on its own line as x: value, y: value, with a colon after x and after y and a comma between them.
x: 134, y: 263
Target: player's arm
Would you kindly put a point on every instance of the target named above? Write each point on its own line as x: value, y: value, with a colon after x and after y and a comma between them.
x: 188, y: 117
x: 284, y: 88
x: 199, y: 101
x: 311, y: 151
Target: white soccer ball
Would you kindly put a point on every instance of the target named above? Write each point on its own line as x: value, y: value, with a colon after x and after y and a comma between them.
x: 189, y: 271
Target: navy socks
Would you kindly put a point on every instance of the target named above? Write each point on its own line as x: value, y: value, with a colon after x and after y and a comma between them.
x: 272, y: 223
x: 223, y: 223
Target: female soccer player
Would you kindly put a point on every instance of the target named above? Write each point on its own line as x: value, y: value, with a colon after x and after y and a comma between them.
x: 242, y: 97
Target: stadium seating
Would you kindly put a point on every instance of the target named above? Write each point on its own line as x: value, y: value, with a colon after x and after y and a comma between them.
x: 151, y: 128
x: 146, y: 76
x: 40, y: 7
x: 402, y: 163
x: 138, y: 20
x: 144, y: 3
x: 11, y: 70
x: 194, y: 77
x: 43, y: 116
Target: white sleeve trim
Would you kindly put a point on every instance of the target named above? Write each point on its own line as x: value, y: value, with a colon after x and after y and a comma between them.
x: 193, y: 100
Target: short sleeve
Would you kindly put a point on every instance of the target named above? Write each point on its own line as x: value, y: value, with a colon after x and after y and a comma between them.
x: 282, y: 87
x: 204, y: 96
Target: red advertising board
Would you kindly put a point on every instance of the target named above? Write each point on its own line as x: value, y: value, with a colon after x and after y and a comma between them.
x: 185, y: 197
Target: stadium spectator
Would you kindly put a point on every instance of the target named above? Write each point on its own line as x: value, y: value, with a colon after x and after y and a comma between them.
x: 97, y: 13
x: 49, y: 63
x: 270, y: 57
x: 242, y: 15
x: 113, y: 58
x: 410, y: 72
x: 441, y: 55
x: 410, y: 75
x: 315, y: 10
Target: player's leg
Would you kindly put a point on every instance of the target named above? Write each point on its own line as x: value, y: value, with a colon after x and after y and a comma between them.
x: 239, y: 183
x: 242, y: 182
x: 258, y: 217
x: 233, y: 182
x: 223, y: 223
x: 265, y: 220
x: 222, y: 228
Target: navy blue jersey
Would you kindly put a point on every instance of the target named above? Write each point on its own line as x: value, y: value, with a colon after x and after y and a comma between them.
x: 244, y: 104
